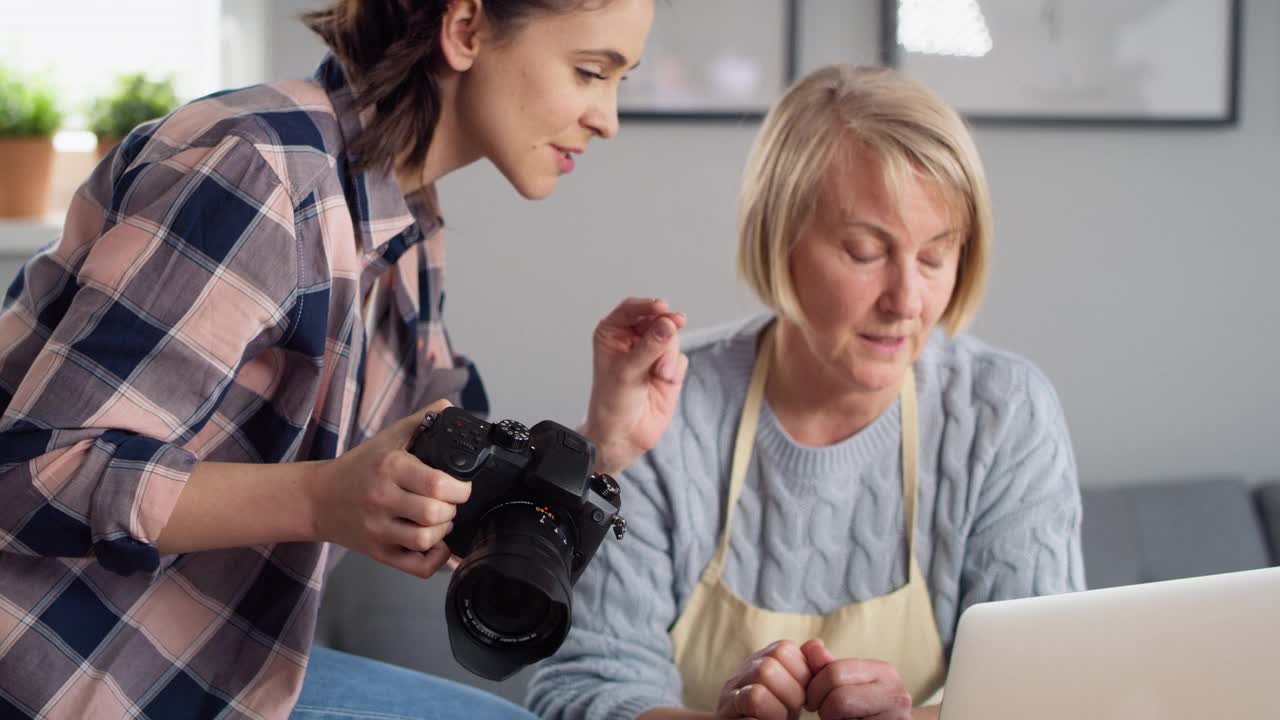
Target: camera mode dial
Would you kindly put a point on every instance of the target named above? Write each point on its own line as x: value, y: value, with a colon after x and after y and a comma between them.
x: 606, y: 486
x: 511, y: 435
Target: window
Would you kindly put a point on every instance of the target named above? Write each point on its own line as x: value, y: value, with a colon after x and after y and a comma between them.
x: 82, y: 45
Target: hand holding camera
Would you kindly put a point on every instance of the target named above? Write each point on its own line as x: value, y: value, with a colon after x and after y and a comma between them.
x: 379, y: 500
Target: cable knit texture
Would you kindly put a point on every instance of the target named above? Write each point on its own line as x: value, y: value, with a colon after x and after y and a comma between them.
x: 817, y: 528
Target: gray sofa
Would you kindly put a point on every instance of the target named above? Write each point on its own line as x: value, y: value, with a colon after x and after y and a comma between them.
x: 1140, y: 533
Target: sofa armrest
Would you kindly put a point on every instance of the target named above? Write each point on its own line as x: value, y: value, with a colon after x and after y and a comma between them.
x: 1169, y: 529
x: 1267, y: 497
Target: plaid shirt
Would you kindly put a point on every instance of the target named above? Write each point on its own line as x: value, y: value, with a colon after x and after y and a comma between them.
x: 225, y: 289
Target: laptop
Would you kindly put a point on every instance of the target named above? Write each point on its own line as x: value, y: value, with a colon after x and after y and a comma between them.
x: 1203, y: 647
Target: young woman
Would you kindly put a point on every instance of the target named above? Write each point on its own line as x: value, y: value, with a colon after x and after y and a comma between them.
x: 215, y: 372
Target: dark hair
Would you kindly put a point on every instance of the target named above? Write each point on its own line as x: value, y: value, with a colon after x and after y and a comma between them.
x: 390, y: 51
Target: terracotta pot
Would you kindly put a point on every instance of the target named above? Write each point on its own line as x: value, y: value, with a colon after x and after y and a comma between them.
x: 105, y: 143
x: 26, y: 176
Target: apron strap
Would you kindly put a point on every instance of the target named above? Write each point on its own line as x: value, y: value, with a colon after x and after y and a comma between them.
x: 742, y: 446
x: 910, y: 457
x: 745, y: 441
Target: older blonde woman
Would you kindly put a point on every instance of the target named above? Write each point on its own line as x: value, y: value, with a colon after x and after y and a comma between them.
x: 846, y: 474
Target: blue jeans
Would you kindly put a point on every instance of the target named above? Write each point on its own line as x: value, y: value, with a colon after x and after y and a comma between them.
x: 339, y: 685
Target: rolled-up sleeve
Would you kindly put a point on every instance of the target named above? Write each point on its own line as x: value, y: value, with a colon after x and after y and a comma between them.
x: 118, y: 343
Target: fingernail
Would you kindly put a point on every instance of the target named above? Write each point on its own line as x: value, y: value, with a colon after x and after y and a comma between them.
x: 661, y: 330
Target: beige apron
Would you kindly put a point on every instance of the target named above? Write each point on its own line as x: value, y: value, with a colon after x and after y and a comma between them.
x: 718, y: 629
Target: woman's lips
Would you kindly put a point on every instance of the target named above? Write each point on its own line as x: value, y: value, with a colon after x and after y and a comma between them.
x: 565, y: 156
x: 884, y: 343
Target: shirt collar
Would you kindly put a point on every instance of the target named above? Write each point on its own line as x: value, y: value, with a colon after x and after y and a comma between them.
x: 380, y: 211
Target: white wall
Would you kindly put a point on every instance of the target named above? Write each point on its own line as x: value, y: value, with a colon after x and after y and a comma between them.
x: 1135, y: 266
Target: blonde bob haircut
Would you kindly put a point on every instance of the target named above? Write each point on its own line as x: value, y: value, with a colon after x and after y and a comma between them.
x: 909, y: 128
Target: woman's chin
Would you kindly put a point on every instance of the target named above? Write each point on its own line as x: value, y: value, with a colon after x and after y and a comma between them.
x: 534, y: 188
x: 877, y: 379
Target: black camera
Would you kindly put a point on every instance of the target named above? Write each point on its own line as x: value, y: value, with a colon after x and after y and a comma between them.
x: 535, y: 517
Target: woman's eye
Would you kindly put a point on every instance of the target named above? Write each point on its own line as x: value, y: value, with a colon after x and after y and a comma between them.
x: 863, y: 257
x: 589, y: 74
x: 933, y: 261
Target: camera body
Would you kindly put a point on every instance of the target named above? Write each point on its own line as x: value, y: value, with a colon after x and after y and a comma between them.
x: 536, y: 516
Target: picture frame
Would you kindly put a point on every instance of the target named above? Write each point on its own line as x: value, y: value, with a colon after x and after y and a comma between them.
x: 701, y: 65
x: 1090, y: 62
x: 837, y: 31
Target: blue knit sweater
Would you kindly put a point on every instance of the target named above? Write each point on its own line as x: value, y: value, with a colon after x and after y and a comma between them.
x: 817, y: 528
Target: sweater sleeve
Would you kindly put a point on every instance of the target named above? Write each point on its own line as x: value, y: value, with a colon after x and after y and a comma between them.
x: 616, y: 661
x: 1025, y: 536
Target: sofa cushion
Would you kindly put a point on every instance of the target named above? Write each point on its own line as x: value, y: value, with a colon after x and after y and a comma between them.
x: 1170, y: 529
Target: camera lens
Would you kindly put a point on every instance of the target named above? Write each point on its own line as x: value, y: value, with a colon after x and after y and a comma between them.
x: 509, y: 603
x: 509, y: 607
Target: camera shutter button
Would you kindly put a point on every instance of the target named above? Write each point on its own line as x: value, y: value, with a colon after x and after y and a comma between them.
x: 459, y: 460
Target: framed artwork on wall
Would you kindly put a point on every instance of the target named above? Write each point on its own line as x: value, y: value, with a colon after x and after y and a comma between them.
x: 713, y: 59
x: 838, y: 31
x: 1108, y: 62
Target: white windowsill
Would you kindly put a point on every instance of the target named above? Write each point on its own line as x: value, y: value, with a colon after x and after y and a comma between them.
x: 20, y: 239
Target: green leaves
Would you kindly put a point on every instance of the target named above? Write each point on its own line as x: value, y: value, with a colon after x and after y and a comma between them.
x: 28, y: 107
x: 134, y: 101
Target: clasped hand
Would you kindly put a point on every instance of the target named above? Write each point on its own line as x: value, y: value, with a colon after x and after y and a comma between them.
x: 784, y: 679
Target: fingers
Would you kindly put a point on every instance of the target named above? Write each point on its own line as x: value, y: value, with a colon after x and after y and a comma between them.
x: 418, y: 478
x: 671, y: 367
x: 415, y: 537
x: 402, y: 430
x: 425, y: 511
x: 421, y: 564
x: 658, y: 334
x: 632, y: 309
x: 816, y: 655
x: 790, y: 658
x: 641, y: 318
x: 770, y: 673
x: 850, y: 673
x: 435, y: 407
x: 752, y: 701
x: 663, y: 324
x: 659, y: 349
x: 876, y: 701
x: 769, y: 684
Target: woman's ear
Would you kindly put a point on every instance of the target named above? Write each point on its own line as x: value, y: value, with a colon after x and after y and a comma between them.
x: 460, y: 33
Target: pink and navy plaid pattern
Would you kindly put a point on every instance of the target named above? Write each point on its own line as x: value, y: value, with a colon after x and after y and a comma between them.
x: 226, y: 289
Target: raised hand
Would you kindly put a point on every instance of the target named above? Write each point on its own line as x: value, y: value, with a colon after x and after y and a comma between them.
x: 637, y: 371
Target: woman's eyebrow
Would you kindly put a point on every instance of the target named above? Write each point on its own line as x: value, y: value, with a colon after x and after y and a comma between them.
x: 884, y: 234
x: 612, y: 58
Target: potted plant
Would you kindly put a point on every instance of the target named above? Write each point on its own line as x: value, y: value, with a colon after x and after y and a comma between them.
x: 29, y: 116
x: 134, y: 101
